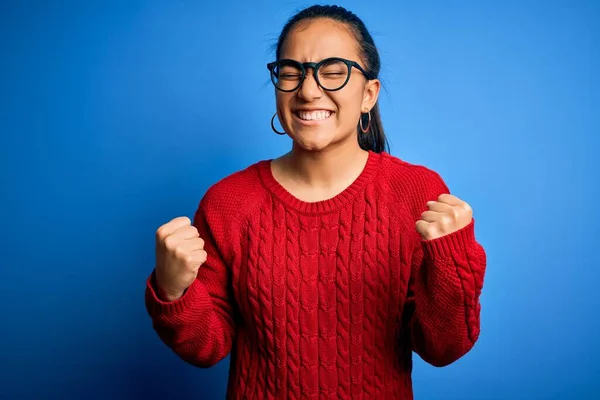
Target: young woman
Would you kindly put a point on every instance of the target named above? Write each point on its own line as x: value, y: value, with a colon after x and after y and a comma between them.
x: 321, y: 271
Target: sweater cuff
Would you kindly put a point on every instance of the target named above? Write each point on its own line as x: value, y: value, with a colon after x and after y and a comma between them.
x: 158, y: 307
x: 453, y: 243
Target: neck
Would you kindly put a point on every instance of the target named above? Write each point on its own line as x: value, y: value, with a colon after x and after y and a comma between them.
x: 327, y: 168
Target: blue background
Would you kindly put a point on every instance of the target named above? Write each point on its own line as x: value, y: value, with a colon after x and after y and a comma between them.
x: 116, y: 116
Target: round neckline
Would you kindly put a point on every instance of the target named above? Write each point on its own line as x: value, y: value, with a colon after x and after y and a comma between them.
x: 321, y: 206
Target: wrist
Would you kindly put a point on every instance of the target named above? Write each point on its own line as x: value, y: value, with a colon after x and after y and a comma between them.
x: 168, y: 296
x: 165, y: 295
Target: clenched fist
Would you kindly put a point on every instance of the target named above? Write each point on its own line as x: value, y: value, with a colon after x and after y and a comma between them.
x: 446, y: 215
x: 179, y: 254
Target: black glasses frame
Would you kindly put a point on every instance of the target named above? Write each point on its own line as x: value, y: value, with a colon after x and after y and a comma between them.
x: 315, y: 66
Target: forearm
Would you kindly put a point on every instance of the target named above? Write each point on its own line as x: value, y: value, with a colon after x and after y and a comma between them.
x: 447, y: 286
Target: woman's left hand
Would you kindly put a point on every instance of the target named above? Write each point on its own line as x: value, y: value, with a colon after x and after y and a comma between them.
x: 446, y: 215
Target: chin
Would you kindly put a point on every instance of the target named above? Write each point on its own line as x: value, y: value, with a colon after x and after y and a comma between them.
x: 313, y: 141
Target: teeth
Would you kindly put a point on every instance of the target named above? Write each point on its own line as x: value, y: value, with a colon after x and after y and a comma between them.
x: 313, y: 115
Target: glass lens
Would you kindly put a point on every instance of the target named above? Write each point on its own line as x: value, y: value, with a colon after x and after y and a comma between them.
x: 287, y: 75
x: 333, y: 74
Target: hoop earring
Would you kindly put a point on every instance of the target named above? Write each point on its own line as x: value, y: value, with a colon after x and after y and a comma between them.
x: 273, y: 125
x: 365, y: 130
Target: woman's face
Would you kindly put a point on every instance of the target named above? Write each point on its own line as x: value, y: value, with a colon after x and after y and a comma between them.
x: 317, y: 119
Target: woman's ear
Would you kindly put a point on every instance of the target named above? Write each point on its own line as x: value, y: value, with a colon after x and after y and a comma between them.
x: 371, y: 94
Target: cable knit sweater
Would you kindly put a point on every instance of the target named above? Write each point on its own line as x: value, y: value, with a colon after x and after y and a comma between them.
x: 326, y: 299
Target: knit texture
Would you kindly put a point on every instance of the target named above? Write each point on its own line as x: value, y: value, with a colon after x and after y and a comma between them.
x: 327, y: 299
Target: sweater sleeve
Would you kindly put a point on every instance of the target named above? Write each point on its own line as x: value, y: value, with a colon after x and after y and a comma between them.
x: 199, y: 327
x: 444, y: 289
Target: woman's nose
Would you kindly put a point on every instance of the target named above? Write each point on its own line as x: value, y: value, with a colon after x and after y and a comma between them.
x: 309, y: 89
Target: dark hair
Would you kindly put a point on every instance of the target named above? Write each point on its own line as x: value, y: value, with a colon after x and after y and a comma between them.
x: 374, y: 139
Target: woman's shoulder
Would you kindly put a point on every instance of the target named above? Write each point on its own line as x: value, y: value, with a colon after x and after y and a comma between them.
x: 411, y: 179
x: 235, y: 192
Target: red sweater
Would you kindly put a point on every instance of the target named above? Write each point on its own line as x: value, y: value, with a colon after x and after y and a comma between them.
x: 326, y: 299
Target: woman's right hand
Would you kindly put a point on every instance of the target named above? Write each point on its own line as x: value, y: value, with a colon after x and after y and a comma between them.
x: 179, y: 254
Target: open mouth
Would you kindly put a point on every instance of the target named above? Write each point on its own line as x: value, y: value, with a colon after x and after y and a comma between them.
x: 316, y: 115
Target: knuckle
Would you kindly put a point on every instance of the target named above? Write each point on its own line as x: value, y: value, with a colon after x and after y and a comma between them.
x: 189, y: 261
x: 441, y: 225
x: 161, y: 233
x: 447, y: 221
x: 428, y: 233
x: 203, y: 256
x: 467, y: 208
x: 455, y: 213
x: 169, y: 242
x: 180, y: 252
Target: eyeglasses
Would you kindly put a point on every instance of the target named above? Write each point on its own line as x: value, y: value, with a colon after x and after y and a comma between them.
x: 331, y: 73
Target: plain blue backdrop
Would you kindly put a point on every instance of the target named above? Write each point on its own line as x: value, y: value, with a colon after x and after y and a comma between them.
x: 116, y: 117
